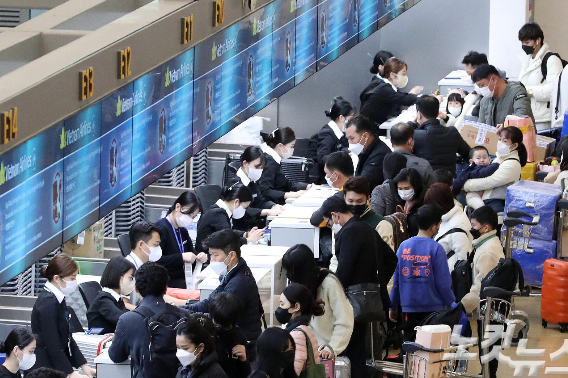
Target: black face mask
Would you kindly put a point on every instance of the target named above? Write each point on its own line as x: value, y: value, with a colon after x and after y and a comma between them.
x: 475, y: 233
x: 282, y: 315
x: 358, y: 209
x: 529, y: 50
x: 288, y: 360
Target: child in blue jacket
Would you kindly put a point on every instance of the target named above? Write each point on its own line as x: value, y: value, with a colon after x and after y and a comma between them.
x: 422, y: 281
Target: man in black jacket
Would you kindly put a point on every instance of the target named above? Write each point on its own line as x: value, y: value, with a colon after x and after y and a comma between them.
x: 131, y: 330
x: 363, y: 257
x: 236, y: 277
x: 371, y: 150
x: 436, y: 143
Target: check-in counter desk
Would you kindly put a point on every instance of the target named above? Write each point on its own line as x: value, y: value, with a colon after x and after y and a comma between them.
x: 107, y: 368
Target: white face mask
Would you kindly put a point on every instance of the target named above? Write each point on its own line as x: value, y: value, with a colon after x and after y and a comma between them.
x: 288, y: 154
x: 329, y: 181
x: 127, y: 286
x: 455, y: 111
x: 476, y: 88
x: 503, y: 149
x: 335, y: 227
x: 70, y: 287
x: 357, y: 148
x: 239, y: 212
x: 486, y: 92
x: 254, y: 174
x: 219, y: 267
x: 155, y: 253
x: 27, y: 361
x: 406, y: 195
x: 186, y: 358
x: 184, y: 220
x: 401, y: 80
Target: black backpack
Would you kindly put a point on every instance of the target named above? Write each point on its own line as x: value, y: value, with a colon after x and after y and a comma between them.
x: 462, y: 276
x: 505, y: 276
x: 544, y: 68
x: 159, y: 358
x: 452, y: 231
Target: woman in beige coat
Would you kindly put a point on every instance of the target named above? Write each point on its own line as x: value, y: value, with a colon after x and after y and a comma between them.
x: 335, y: 326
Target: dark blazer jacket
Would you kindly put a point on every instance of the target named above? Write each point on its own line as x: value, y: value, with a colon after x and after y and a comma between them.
x: 171, y: 258
x: 216, y: 219
x: 274, y: 184
x: 55, y: 348
x: 105, y: 311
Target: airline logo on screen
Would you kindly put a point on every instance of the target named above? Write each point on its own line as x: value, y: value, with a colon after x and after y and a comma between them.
x: 11, y: 171
x: 174, y: 75
x: 219, y: 50
x: 260, y: 25
x: 71, y: 136
x: 124, y: 105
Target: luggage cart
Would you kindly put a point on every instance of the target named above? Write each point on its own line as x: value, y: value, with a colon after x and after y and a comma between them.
x: 502, y: 312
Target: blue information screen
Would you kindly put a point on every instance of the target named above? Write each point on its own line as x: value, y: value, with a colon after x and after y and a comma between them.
x: 81, y: 171
x: 116, y: 149
x: 337, y: 29
x: 368, y: 17
x: 162, y: 120
x: 31, y: 199
x: 307, y: 39
x: 283, y: 48
x: 221, y: 83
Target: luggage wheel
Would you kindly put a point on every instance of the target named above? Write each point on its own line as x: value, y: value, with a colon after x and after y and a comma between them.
x: 562, y: 328
x: 544, y: 323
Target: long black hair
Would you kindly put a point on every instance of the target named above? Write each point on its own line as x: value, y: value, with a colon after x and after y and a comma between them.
x: 516, y: 136
x: 236, y: 191
x: 252, y: 153
x: 18, y: 337
x: 187, y: 199
x: 411, y: 175
x: 380, y: 59
x: 297, y: 293
x: 282, y: 135
x: 270, y: 346
x: 301, y: 268
x: 339, y: 106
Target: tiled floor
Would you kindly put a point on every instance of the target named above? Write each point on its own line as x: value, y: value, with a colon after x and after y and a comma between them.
x: 549, y: 339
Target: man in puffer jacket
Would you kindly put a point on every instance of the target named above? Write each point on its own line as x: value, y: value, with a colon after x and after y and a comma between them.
x: 538, y: 87
x: 488, y: 252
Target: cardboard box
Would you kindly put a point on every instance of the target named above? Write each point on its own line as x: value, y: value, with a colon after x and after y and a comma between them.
x: 433, y: 337
x: 528, y: 172
x: 544, y: 147
x: 89, y: 243
x: 480, y: 134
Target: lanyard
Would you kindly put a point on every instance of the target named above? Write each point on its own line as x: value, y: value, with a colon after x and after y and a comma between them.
x: 178, y: 240
x: 134, y: 262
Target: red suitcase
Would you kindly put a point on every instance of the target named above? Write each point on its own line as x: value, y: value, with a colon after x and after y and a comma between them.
x: 554, y: 303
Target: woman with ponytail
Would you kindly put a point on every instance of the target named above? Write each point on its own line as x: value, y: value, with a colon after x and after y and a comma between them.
x: 273, y: 184
x: 297, y: 306
x: 511, y: 157
x: 19, y: 348
x: 331, y: 138
x: 176, y: 244
x: 56, y: 347
x: 377, y: 69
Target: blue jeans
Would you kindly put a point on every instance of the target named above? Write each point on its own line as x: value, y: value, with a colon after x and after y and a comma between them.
x: 496, y: 204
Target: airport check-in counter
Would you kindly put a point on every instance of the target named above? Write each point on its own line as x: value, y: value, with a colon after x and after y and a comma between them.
x: 293, y: 225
